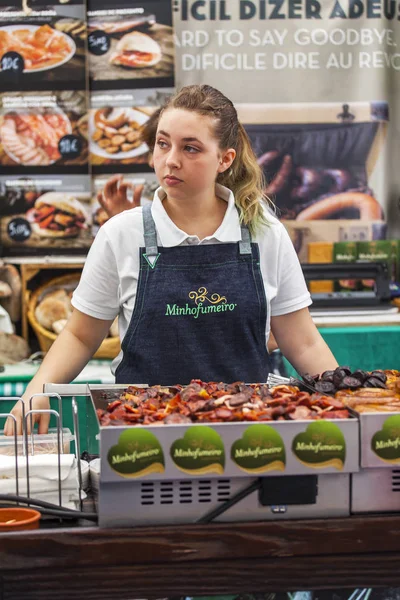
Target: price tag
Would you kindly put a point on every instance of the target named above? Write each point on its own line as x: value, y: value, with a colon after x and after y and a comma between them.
x: 99, y: 42
x: 70, y: 146
x: 19, y: 230
x: 12, y: 62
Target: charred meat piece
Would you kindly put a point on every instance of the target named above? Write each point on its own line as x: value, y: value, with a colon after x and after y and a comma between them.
x: 351, y: 383
x: 325, y: 387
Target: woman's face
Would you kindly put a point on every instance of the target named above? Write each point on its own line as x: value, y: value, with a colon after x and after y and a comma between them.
x: 187, y: 158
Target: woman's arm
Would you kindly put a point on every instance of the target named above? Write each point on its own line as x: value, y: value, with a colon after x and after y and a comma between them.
x: 301, y: 343
x: 69, y: 354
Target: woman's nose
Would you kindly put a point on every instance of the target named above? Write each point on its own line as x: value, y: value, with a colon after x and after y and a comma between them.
x: 173, y: 159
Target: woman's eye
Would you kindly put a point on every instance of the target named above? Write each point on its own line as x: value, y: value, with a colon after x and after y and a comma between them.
x: 161, y: 144
x: 191, y: 149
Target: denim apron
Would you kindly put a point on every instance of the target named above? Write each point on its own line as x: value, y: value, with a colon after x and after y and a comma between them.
x: 200, y: 313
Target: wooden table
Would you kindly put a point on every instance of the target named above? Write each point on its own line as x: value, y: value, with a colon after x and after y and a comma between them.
x: 155, y: 562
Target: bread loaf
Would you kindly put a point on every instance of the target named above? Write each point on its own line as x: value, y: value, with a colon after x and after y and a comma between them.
x: 5, y: 290
x: 50, y: 310
x: 12, y: 347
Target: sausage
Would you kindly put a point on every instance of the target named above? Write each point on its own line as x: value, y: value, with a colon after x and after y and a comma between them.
x: 368, y: 206
x: 268, y: 158
x: 310, y: 181
x: 280, y: 179
x: 339, y: 178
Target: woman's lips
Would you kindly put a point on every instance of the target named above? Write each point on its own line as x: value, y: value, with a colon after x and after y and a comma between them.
x: 171, y: 180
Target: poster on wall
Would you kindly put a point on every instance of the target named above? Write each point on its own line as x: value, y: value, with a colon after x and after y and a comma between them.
x: 318, y: 159
x: 130, y: 44
x: 42, y: 45
x: 45, y: 213
x: 116, y: 123
x: 295, y: 54
x: 41, y: 131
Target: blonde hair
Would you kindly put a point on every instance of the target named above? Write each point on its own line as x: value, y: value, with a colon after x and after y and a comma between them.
x: 245, y: 177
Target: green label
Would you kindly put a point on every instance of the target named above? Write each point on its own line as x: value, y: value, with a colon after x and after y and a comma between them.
x: 200, y: 451
x: 322, y: 444
x: 137, y: 453
x: 386, y: 442
x: 260, y: 449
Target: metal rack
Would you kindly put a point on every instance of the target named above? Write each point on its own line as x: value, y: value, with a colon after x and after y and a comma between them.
x: 26, y: 446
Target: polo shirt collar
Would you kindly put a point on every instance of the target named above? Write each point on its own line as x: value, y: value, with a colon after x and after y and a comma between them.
x: 170, y: 235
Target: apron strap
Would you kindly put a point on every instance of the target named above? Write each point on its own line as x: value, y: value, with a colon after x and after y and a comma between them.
x: 149, y: 228
x: 150, y: 235
x: 245, y: 243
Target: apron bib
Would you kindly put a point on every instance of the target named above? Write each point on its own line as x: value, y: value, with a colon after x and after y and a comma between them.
x: 200, y: 313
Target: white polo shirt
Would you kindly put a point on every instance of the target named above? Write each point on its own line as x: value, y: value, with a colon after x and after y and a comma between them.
x: 110, y: 276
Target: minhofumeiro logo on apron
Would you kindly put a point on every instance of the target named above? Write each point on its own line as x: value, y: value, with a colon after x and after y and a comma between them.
x: 204, y: 304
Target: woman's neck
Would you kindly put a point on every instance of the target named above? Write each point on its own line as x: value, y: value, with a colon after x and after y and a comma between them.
x: 195, y: 216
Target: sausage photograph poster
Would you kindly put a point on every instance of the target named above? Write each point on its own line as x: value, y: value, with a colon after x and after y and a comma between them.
x: 317, y: 84
x: 318, y: 159
x: 42, y: 45
x: 130, y: 44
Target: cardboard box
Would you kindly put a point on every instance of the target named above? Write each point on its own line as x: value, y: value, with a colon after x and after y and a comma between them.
x: 345, y: 252
x: 320, y: 252
x: 380, y: 439
x: 395, y: 246
x: 377, y: 251
x: 341, y: 230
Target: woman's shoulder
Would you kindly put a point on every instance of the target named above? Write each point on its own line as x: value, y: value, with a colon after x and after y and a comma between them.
x: 124, y: 221
x: 123, y: 231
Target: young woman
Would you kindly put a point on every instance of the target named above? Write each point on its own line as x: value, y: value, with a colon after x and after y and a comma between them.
x: 199, y: 277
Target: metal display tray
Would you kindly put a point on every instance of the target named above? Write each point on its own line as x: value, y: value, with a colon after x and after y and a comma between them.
x: 215, y: 450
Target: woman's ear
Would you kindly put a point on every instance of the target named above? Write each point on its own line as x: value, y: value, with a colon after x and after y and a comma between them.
x: 226, y: 160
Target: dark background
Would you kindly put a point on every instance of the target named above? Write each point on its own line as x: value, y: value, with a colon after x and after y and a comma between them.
x: 160, y: 8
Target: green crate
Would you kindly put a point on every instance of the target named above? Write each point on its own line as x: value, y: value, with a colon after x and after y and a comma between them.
x: 366, y: 348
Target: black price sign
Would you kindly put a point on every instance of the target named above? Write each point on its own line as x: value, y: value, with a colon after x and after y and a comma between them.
x: 19, y: 230
x: 99, y: 42
x: 70, y: 146
x: 12, y: 62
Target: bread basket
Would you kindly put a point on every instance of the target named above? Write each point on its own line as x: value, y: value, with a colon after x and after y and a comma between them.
x: 109, y: 348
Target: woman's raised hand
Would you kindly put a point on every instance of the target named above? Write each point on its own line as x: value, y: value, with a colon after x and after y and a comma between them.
x: 114, y: 197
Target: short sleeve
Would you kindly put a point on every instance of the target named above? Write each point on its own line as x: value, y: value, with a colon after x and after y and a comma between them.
x: 292, y: 293
x: 97, y: 294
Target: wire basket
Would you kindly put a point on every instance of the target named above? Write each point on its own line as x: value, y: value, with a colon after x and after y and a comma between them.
x: 109, y: 348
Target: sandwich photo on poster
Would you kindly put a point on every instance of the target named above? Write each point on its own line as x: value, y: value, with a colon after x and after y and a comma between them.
x: 321, y: 161
x: 45, y: 212
x: 139, y: 188
x: 43, y: 131
x: 130, y: 43
x: 42, y: 45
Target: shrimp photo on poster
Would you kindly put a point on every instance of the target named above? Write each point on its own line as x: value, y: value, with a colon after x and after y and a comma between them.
x: 42, y: 45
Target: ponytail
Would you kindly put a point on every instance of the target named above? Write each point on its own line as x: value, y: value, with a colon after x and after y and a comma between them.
x: 246, y: 180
